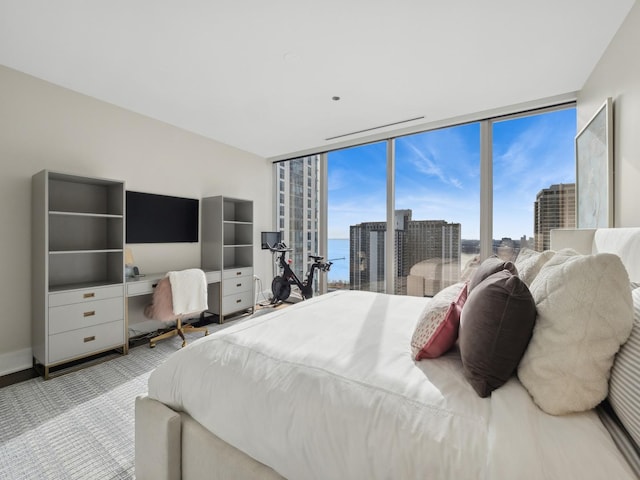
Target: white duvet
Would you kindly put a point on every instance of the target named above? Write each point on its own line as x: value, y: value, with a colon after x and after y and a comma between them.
x: 327, y: 389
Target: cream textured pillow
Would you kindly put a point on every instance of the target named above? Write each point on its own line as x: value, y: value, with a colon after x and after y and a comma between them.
x: 584, y: 315
x: 529, y: 262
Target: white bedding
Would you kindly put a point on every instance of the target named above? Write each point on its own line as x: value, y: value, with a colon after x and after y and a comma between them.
x: 327, y: 389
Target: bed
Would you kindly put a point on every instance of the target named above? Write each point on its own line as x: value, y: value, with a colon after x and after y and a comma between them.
x: 329, y: 389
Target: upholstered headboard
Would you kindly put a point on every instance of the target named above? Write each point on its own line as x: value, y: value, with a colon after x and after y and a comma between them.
x: 624, y: 242
x: 620, y: 413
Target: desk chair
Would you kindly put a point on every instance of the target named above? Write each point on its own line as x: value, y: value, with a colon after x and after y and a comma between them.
x: 178, y: 295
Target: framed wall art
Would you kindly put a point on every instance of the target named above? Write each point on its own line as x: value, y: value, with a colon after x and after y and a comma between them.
x: 594, y: 170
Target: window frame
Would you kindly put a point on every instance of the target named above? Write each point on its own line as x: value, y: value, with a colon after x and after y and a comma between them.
x: 486, y: 183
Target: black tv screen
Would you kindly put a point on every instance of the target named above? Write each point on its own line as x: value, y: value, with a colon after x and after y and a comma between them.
x: 152, y: 218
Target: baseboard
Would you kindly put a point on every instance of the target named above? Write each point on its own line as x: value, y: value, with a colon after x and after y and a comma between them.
x: 15, y: 361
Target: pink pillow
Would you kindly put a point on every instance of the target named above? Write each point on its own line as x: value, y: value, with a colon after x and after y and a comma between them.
x: 437, y: 330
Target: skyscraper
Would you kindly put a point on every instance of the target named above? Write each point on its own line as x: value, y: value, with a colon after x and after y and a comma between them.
x: 297, y: 215
x: 426, y: 252
x: 555, y: 207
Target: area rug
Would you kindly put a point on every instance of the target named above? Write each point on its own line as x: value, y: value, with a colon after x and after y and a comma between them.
x: 79, y: 425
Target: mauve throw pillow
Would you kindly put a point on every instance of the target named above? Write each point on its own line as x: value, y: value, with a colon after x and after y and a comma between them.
x: 488, y: 267
x: 495, y: 328
x: 437, y: 329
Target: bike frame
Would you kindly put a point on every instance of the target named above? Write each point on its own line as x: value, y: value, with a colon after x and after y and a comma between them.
x: 306, y: 287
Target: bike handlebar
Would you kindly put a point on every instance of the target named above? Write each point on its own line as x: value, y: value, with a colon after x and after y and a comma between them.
x: 279, y: 247
x: 282, y: 248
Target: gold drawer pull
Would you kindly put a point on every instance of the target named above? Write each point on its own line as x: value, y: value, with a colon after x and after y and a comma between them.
x: 89, y: 295
x: 89, y: 339
x: 89, y: 314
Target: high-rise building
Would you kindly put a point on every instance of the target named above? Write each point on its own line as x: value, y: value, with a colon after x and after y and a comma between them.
x: 555, y: 207
x: 426, y: 252
x: 298, y: 207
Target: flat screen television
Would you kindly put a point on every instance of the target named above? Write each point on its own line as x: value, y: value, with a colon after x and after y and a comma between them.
x: 152, y: 218
x: 270, y: 238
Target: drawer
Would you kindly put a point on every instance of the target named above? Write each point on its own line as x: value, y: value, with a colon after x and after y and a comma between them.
x: 238, y: 272
x: 85, y: 341
x: 85, y: 295
x: 140, y: 288
x: 233, y: 286
x: 79, y: 315
x: 233, y: 303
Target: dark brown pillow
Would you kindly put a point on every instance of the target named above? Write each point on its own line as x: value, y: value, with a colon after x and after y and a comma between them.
x: 488, y: 267
x: 495, y: 328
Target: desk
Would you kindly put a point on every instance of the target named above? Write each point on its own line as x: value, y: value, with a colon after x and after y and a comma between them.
x: 143, y: 285
x: 136, y: 288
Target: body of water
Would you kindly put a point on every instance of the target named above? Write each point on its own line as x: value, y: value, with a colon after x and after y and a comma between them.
x: 338, y: 254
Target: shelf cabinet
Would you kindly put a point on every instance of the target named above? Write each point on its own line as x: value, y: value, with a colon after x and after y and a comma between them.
x: 227, y: 245
x: 78, y: 228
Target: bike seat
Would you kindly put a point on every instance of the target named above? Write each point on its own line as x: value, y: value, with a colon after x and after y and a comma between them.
x: 315, y: 258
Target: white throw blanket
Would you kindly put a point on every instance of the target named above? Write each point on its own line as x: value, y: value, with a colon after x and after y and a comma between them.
x: 188, y: 291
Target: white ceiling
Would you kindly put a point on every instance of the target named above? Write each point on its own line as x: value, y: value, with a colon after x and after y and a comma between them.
x: 260, y: 75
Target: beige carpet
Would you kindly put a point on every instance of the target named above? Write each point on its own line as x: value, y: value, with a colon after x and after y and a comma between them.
x: 79, y: 425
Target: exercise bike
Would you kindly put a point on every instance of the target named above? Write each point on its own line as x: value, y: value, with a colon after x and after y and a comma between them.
x: 281, y: 284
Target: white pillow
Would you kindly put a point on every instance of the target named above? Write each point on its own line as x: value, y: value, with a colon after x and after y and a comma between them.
x: 529, y: 262
x: 584, y: 314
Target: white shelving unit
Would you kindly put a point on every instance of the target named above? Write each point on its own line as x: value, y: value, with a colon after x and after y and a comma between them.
x: 77, y: 268
x: 227, y: 246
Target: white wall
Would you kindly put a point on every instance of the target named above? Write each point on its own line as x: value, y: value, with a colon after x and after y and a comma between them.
x: 45, y: 126
x: 617, y: 75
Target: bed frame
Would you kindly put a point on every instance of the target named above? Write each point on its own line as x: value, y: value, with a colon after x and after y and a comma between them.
x: 171, y: 445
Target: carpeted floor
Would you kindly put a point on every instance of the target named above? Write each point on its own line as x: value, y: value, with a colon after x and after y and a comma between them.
x: 79, y: 425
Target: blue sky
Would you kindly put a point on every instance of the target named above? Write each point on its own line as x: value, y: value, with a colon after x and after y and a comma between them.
x: 438, y: 175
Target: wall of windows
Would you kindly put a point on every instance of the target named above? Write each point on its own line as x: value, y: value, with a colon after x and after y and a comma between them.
x: 422, y: 194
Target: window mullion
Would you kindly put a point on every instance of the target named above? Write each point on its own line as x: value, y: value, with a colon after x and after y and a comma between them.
x: 390, y: 257
x: 486, y: 189
x: 323, y: 220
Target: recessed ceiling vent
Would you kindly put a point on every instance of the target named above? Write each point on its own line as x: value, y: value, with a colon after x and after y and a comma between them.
x: 375, y: 128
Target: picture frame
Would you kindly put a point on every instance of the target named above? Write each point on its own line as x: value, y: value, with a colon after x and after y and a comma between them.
x: 594, y: 170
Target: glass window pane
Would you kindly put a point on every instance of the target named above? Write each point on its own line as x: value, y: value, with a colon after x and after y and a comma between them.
x: 299, y: 235
x: 357, y: 213
x: 533, y: 180
x: 437, y: 203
